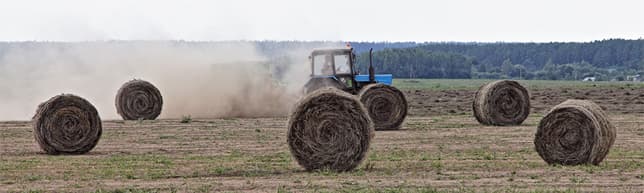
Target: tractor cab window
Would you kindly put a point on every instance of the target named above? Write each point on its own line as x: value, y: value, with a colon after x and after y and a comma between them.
x: 342, y: 65
x: 323, y: 65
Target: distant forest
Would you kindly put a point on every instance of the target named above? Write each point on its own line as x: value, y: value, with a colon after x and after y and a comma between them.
x: 613, y: 59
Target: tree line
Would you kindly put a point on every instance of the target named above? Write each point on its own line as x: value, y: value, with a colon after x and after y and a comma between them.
x: 613, y: 59
x: 417, y: 63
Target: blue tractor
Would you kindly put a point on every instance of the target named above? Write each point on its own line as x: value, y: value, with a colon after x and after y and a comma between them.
x: 335, y: 68
x: 386, y: 105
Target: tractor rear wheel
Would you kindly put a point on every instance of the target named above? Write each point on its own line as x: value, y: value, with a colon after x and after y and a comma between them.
x: 386, y: 105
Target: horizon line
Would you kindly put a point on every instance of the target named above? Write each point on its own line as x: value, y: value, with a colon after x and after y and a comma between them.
x: 310, y: 41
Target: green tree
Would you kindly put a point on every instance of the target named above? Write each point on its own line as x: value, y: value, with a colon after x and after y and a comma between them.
x: 519, y: 71
x: 549, y: 71
x: 507, y: 67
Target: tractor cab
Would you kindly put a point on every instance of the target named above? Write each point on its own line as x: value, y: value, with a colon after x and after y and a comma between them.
x: 336, y: 68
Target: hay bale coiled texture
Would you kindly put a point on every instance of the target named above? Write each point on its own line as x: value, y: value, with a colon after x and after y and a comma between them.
x: 329, y: 129
x: 386, y: 105
x: 501, y: 103
x: 138, y: 99
x: 67, y: 124
x: 574, y: 132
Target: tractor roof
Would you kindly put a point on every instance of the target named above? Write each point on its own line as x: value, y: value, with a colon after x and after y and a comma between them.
x: 332, y: 51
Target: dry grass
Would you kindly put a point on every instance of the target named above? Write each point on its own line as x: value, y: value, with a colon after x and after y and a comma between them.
x: 429, y: 154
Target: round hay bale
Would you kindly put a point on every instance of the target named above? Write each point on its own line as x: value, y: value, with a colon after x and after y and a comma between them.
x: 329, y: 129
x: 67, y: 124
x: 386, y: 105
x: 138, y: 99
x: 574, y: 132
x: 500, y: 103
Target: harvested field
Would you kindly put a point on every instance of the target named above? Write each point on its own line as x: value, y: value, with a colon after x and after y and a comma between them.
x: 436, y: 149
x: 615, y: 99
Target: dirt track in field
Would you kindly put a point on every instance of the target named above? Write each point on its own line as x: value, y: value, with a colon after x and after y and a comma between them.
x: 437, y: 148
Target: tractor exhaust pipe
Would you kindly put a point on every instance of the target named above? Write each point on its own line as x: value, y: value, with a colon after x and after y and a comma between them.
x: 372, y: 76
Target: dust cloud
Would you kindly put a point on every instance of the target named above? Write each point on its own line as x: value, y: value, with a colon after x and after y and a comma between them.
x: 203, y: 80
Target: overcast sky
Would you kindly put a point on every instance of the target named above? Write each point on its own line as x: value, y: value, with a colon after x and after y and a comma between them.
x: 346, y: 20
